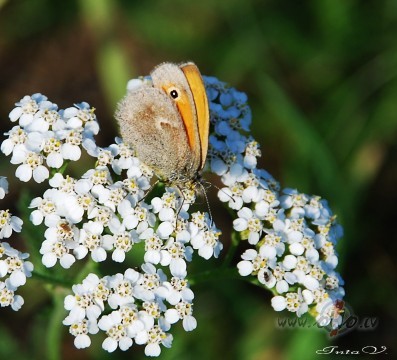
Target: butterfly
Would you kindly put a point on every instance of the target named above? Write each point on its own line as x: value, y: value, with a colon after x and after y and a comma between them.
x: 166, y: 122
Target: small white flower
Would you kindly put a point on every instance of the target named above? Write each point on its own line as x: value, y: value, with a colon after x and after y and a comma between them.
x: 116, y: 332
x: 31, y: 165
x: 206, y: 241
x: 248, y: 221
x: 8, y: 224
x: 15, y: 269
x: 91, y: 240
x: 279, y: 303
x: 175, y: 291
x: 3, y: 187
x: 60, y: 241
x: 46, y: 210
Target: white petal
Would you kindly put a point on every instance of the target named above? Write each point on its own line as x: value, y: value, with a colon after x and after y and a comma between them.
x: 99, y: 255
x: 109, y: 344
x: 141, y: 337
x: 245, y: 213
x: 225, y: 195
x: 15, y: 114
x: 3, y: 268
x: 153, y: 256
x: 105, y: 323
x: 290, y: 262
x: 36, y: 217
x: 218, y: 167
x: 118, y: 256
x: 80, y: 252
x: 40, y: 174
x: 24, y: 172
x: 152, y: 350
x: 240, y: 224
x: 49, y: 260
x: 206, y: 251
x: 125, y: 343
x: 130, y: 222
x: 165, y: 229
x: 261, y: 208
x: 295, y: 236
x: 17, y: 303
x: 135, y: 327
x: 166, y: 214
x: 7, y: 146
x: 267, y: 251
x: 307, y: 296
x: 253, y: 238
x: 19, y: 154
x: 279, y: 303
x: 249, y: 254
x: 178, y: 268
x: 56, y: 180
x: 311, y: 283
x: 74, y: 123
x: 17, y: 278
x: 282, y: 286
x: 82, y: 341
x: 290, y: 278
x: 67, y: 261
x: 69, y: 302
x: 71, y: 152
x: 25, y: 119
x: 54, y: 160
x: 16, y: 223
x: 312, y: 255
x: 132, y: 275
x: 189, y: 323
x: 172, y: 316
x: 296, y: 248
x: 245, y: 268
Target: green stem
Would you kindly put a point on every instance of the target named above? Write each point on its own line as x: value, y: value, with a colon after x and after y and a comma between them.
x: 89, y: 267
x: 51, y: 279
x: 61, y: 170
x: 55, y: 326
x: 225, y: 274
x: 235, y: 240
x: 214, y: 275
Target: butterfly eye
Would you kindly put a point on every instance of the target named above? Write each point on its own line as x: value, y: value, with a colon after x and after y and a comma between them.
x: 174, y: 93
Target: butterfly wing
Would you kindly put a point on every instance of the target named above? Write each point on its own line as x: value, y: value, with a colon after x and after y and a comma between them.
x: 197, y: 88
x: 168, y: 124
x: 150, y: 123
x: 173, y: 81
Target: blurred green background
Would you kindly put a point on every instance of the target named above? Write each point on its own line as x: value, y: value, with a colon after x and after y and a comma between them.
x: 321, y: 76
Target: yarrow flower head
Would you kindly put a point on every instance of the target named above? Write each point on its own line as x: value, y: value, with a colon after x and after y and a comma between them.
x: 46, y: 137
x: 14, y: 267
x: 132, y: 307
x: 110, y: 213
x: 8, y: 224
x: 292, y: 236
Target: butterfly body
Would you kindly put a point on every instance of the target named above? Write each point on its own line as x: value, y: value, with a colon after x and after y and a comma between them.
x: 167, y: 122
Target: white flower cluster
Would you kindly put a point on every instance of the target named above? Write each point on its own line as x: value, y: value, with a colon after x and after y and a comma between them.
x: 46, y: 135
x: 104, y: 212
x: 14, y: 269
x: 291, y: 236
x: 132, y: 307
x: 96, y: 215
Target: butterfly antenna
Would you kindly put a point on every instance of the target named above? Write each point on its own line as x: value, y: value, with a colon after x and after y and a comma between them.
x: 218, y: 188
x: 180, y: 206
x: 150, y: 189
x: 208, y: 204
